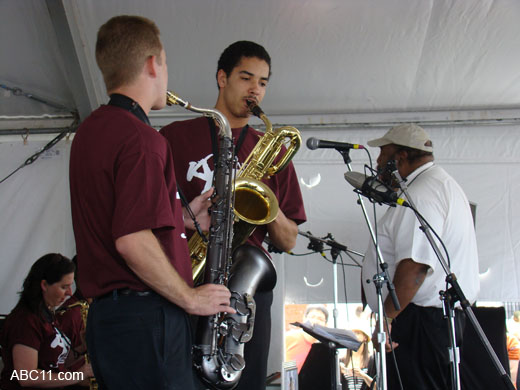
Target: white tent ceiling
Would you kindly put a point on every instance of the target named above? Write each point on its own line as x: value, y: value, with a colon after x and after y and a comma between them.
x: 342, y: 69
x: 329, y: 56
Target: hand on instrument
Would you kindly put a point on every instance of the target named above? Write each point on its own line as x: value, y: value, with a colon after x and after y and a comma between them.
x: 209, y: 299
x: 388, y: 331
x: 199, y: 205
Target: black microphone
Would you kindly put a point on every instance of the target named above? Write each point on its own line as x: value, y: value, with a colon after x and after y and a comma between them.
x: 314, y: 143
x: 374, y: 189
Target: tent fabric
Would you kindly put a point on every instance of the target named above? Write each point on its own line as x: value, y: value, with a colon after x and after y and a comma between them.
x: 329, y: 56
x: 35, y: 209
x: 31, y: 60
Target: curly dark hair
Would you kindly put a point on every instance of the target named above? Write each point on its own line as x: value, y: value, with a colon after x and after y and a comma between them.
x: 51, y: 268
x: 232, y: 55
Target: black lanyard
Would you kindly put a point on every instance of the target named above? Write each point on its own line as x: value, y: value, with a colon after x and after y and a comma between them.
x: 214, y: 141
x: 49, y: 317
x: 124, y: 102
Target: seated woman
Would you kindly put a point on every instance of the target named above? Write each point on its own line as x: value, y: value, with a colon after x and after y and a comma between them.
x: 34, y: 349
x: 357, y: 367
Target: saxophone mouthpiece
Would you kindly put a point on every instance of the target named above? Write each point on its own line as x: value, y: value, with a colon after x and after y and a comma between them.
x: 254, y: 108
x: 172, y: 99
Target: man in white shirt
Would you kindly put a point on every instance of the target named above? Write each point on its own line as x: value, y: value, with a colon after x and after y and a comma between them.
x: 419, y: 332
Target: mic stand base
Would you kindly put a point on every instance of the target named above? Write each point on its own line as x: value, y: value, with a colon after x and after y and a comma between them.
x: 455, y: 294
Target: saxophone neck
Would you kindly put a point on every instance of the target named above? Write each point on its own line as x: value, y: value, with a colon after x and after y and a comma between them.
x: 222, y: 122
x: 225, y: 129
x: 257, y: 111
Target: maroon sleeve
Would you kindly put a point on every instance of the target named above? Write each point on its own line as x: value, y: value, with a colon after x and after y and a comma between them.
x: 25, y: 329
x: 289, y: 195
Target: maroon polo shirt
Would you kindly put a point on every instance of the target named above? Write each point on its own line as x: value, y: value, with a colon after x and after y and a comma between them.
x: 122, y: 181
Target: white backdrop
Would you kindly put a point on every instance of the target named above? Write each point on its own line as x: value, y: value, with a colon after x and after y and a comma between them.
x: 35, y: 210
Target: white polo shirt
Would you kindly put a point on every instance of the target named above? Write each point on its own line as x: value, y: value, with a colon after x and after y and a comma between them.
x: 441, y: 201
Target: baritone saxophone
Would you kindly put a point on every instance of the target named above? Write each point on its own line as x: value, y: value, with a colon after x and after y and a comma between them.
x: 255, y: 203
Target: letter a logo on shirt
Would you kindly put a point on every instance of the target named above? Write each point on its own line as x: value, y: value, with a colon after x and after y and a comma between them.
x: 202, y: 171
x: 62, y: 342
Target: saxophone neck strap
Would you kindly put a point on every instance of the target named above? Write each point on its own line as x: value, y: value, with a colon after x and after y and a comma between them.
x: 214, y: 139
x: 124, y: 102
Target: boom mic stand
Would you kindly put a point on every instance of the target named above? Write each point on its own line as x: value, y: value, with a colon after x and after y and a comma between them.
x: 316, y: 244
x: 450, y: 297
x: 379, y: 280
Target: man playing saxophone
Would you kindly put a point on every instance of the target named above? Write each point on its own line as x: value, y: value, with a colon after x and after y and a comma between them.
x: 243, y: 72
x: 128, y: 223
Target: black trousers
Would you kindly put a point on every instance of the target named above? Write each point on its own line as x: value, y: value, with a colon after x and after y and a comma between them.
x: 422, y: 355
x: 139, y: 342
x: 256, y: 351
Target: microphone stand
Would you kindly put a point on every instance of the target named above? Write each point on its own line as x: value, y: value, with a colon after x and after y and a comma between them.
x: 450, y: 297
x: 379, y: 280
x: 316, y: 244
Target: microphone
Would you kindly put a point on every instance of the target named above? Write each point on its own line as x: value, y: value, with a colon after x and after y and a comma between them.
x: 374, y: 189
x: 314, y: 143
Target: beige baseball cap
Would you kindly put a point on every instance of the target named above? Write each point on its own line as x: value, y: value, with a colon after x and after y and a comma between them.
x: 362, y: 326
x: 408, y: 134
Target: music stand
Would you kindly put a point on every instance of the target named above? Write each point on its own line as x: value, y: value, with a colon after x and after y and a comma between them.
x: 322, y: 357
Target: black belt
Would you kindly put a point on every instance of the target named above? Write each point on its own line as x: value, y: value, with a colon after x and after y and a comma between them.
x: 126, y: 292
